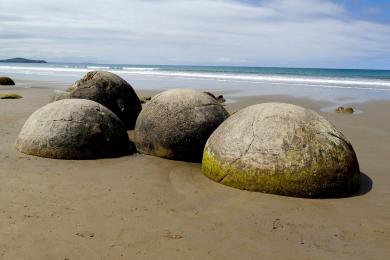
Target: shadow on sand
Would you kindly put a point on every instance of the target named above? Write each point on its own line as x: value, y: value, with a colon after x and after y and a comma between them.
x: 365, y: 185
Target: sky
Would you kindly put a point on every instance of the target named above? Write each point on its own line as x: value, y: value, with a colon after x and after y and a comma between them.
x: 274, y: 33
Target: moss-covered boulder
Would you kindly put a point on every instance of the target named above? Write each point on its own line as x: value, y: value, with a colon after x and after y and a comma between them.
x: 281, y: 149
x: 10, y: 96
x: 73, y: 129
x: 111, y: 91
x: 177, y: 123
x: 6, y: 81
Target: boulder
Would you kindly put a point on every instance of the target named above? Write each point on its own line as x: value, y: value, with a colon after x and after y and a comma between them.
x: 176, y: 124
x: 112, y: 92
x: 281, y: 149
x: 73, y: 129
x: 59, y: 95
x: 345, y: 110
x: 6, y: 81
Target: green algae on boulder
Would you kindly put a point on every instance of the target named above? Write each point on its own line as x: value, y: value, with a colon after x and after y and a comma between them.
x: 73, y: 129
x: 176, y: 124
x: 281, y: 149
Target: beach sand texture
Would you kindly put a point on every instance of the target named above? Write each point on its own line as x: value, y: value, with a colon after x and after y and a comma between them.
x: 143, y: 207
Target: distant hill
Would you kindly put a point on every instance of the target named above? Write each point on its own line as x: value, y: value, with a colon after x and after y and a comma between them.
x: 23, y: 60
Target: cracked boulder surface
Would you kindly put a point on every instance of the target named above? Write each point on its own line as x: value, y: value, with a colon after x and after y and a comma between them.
x: 6, y: 81
x: 74, y: 129
x: 176, y: 124
x: 281, y: 149
x: 111, y: 91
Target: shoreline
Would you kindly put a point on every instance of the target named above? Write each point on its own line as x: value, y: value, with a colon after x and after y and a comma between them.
x: 146, y: 207
x: 149, y: 78
x: 234, y: 98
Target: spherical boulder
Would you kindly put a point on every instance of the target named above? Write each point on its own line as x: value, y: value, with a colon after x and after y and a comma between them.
x: 111, y: 91
x: 73, y: 129
x: 177, y: 123
x: 281, y: 149
x: 6, y: 81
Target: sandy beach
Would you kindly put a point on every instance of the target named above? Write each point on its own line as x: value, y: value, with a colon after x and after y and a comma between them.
x: 143, y: 207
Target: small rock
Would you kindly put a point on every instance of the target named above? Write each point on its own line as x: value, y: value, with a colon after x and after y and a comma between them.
x: 345, y: 110
x: 6, y: 81
x: 145, y: 99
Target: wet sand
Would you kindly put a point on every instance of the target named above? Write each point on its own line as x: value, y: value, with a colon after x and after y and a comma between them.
x: 143, y: 207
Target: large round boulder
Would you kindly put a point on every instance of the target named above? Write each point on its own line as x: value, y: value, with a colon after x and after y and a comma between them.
x: 73, y: 129
x: 281, y: 149
x: 6, y: 81
x: 111, y: 91
x: 177, y: 123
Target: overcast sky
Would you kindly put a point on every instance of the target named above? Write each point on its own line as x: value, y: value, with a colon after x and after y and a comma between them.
x: 299, y: 33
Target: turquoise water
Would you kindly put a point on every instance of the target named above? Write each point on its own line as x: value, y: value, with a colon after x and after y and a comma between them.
x: 304, y: 72
x: 307, y: 72
x: 313, y: 82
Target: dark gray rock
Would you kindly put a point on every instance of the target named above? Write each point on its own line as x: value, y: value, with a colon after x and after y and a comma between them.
x: 6, y: 81
x: 176, y: 124
x: 112, y: 92
x: 73, y: 129
x: 281, y: 149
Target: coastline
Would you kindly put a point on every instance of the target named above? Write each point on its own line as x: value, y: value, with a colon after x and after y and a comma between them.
x: 146, y: 207
x: 340, y: 85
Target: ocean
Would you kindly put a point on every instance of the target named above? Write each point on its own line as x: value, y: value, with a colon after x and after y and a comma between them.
x: 327, y: 84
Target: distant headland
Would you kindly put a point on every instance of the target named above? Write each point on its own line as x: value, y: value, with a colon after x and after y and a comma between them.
x: 23, y: 60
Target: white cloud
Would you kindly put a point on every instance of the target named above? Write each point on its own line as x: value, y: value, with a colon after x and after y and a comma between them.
x: 270, y: 32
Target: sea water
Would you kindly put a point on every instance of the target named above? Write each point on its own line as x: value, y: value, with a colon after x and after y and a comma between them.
x: 349, y: 85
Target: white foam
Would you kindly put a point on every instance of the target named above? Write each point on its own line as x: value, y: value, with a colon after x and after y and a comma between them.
x: 98, y: 68
x: 271, y: 78
x: 139, y: 69
x: 346, y: 83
